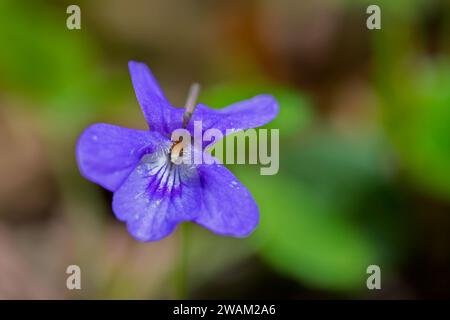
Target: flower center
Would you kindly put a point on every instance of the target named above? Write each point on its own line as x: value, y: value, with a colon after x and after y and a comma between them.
x: 176, y: 152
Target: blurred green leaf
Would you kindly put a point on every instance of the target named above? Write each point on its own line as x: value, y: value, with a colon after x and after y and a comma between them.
x: 415, y: 101
x: 338, y: 169
x: 297, y: 236
x: 54, y: 68
x: 417, y: 117
x: 314, y: 225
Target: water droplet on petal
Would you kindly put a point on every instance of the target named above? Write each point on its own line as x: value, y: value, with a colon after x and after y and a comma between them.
x: 234, y: 184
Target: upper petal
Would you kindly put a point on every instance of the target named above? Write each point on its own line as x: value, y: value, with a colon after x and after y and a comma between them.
x: 106, y: 154
x: 242, y: 115
x: 156, y: 196
x: 228, y: 207
x: 156, y: 108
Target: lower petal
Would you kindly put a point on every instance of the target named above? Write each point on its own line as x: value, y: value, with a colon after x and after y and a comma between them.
x: 228, y: 207
x: 157, y: 196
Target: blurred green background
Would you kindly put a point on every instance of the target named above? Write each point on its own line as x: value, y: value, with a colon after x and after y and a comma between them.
x: 364, y: 157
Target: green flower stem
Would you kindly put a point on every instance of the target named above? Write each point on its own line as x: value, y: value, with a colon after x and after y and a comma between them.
x: 181, y: 276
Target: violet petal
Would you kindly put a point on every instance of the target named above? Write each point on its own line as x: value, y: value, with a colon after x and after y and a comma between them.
x: 228, y: 207
x: 157, y: 196
x: 106, y: 154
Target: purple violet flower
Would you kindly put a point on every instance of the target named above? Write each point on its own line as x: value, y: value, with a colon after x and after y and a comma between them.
x: 151, y: 193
